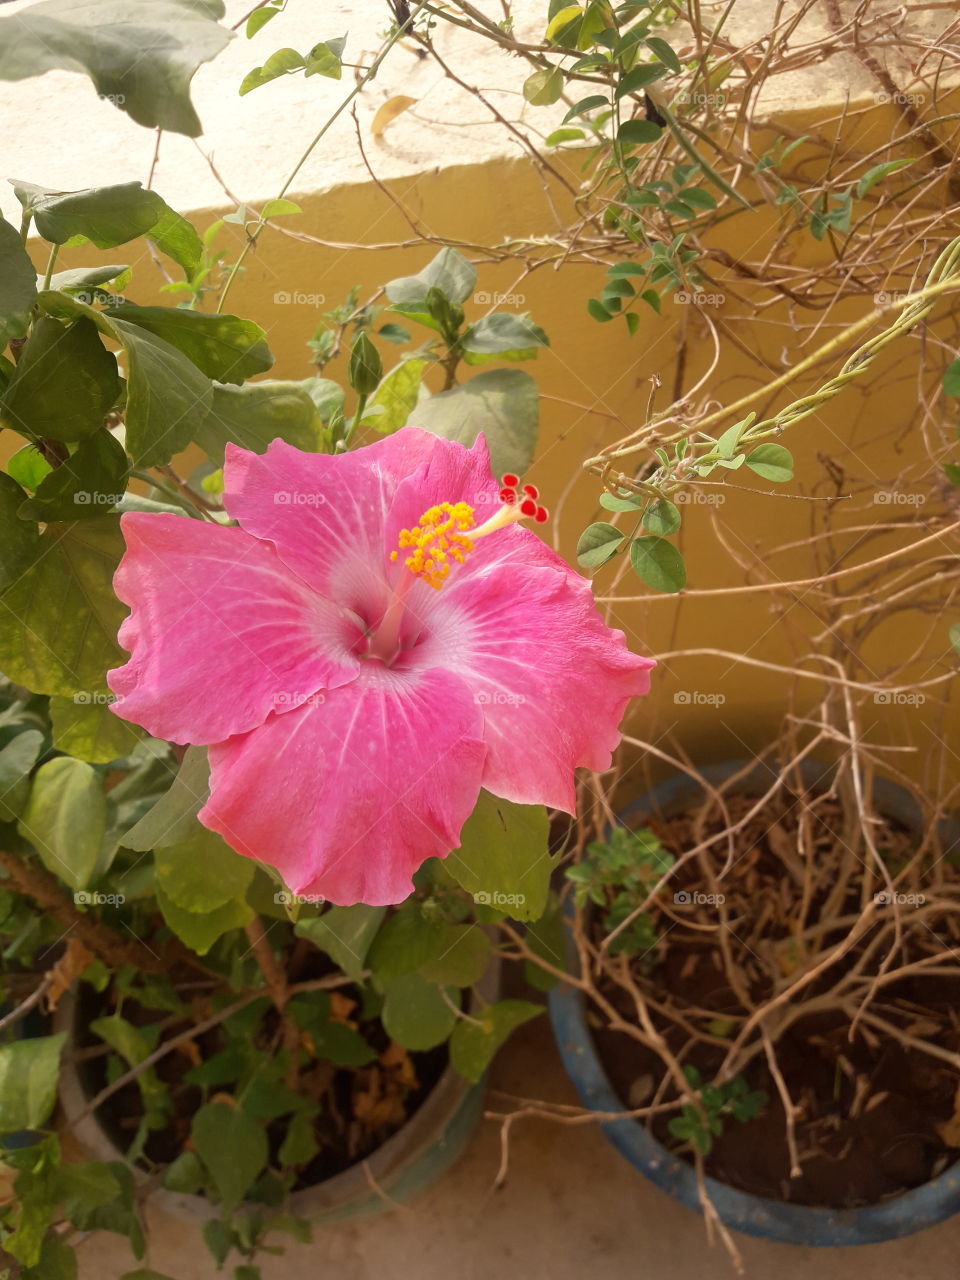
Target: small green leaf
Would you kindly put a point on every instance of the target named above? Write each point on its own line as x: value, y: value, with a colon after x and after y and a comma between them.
x: 201, y: 929
x: 64, y: 385
x: 658, y: 563
x: 178, y: 239
x: 562, y: 19
x: 184, y: 1174
x: 18, y: 285
x: 877, y: 173
x: 772, y: 462
x: 952, y: 471
x: 28, y: 467
x: 232, y: 1146
x: 107, y: 216
x: 18, y: 539
x: 633, y: 132
x: 406, y: 941
x: 397, y: 396
x: 664, y: 52
x: 951, y: 379
x: 662, y: 518
x: 29, y: 1071
x: 65, y: 819
x: 415, y: 1013
x: 449, y: 272
x: 954, y: 635
x: 472, y: 1046
x: 502, y: 336
x: 598, y: 543
x: 503, y: 860
x: 559, y: 136
x: 279, y: 209
x: 544, y: 87
x: 612, y: 502
x: 259, y: 19
x: 281, y: 63
x: 638, y: 79
x: 17, y: 759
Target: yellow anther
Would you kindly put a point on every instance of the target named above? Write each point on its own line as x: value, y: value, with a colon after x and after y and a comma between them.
x: 437, y: 539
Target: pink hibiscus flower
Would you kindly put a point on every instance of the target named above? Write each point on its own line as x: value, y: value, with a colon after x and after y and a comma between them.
x: 363, y: 654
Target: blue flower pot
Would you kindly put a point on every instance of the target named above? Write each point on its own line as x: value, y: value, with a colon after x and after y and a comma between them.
x: 755, y: 1215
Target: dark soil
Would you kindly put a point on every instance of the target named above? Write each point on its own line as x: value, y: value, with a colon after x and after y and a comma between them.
x: 870, y: 1108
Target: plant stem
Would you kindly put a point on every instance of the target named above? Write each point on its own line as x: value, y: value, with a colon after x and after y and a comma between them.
x: 51, y: 263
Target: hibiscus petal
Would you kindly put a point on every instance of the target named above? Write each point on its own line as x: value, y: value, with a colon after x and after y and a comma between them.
x: 325, y: 514
x: 221, y: 632
x: 552, y: 679
x: 348, y: 798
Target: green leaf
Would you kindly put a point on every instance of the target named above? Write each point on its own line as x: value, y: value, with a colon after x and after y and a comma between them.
x: 82, y: 278
x: 259, y: 18
x: 168, y: 398
x: 281, y: 63
x: 65, y: 819
x: 345, y: 934
x: 449, y: 272
x: 545, y: 938
x: 17, y: 758
x: 586, y: 104
x: 57, y: 1261
x: 85, y: 485
x: 472, y: 1047
x: 598, y: 543
x: 254, y: 415
x: 90, y: 731
x: 279, y: 208
x: 300, y: 1144
x: 503, y: 859
x: 633, y: 132
x: 106, y: 216
x: 664, y: 52
x: 662, y: 518
x: 324, y: 59
x: 562, y: 19
x: 18, y: 539
x: 29, y: 1071
x: 543, y: 87
x: 65, y: 384
x: 18, y: 285
x: 415, y: 1013
x: 952, y: 471
x: 772, y: 462
x: 659, y: 564
x: 173, y: 818
x: 638, y: 79
x: 326, y: 394
x: 82, y: 1188
x: 502, y: 337
x: 145, y: 1273
x: 365, y: 369
x: 559, y: 136
x: 951, y: 379
x: 502, y: 403
x: 232, y: 1146
x: 59, y: 620
x: 396, y: 396
x: 200, y: 929
x: 179, y: 240
x: 877, y: 173
x: 141, y: 57
x: 406, y: 941
x: 612, y: 502
x: 202, y: 872
x: 223, y: 347
x: 28, y: 467
x: 954, y: 635
x: 463, y: 958
x: 184, y: 1174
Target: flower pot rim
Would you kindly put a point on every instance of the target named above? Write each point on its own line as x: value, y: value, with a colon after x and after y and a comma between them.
x: 447, y: 1114
x: 899, y: 1215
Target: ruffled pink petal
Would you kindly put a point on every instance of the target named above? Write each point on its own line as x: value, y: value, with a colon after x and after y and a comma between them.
x: 325, y: 514
x: 348, y: 798
x: 221, y: 632
x: 552, y: 679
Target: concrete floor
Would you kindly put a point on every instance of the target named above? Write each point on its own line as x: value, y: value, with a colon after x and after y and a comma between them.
x: 572, y: 1207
